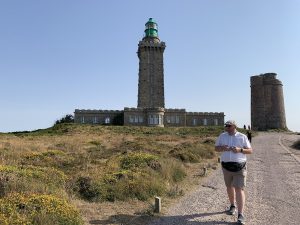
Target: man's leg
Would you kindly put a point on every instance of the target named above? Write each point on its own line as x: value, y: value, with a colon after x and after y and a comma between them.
x: 240, y: 199
x: 231, y: 194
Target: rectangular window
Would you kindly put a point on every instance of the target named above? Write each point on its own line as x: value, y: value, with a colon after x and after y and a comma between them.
x: 107, y: 120
x: 156, y: 120
x: 131, y: 119
x: 194, y: 122
x: 150, y: 119
x: 177, y: 119
x: 95, y: 119
x: 168, y: 119
x: 216, y: 122
x: 172, y: 119
x: 82, y: 119
x: 153, y: 119
x: 205, y: 122
x: 141, y: 119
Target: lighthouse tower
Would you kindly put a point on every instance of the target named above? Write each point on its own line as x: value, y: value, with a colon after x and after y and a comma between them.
x: 151, y: 68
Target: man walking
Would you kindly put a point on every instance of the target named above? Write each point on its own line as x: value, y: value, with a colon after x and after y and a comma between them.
x: 234, y: 147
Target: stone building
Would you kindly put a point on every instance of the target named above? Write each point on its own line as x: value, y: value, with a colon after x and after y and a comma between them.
x: 267, y: 103
x: 150, y: 109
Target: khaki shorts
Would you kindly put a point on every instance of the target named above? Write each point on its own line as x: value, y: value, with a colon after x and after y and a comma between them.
x: 235, y: 179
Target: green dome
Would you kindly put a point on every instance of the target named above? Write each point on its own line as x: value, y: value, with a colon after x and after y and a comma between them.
x: 151, y: 28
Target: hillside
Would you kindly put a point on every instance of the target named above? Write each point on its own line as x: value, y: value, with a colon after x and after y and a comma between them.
x: 95, y: 172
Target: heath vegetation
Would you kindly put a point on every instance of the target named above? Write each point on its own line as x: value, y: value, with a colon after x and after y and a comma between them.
x: 47, y: 174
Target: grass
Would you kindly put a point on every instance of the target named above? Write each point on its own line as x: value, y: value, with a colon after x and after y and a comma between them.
x: 90, y: 163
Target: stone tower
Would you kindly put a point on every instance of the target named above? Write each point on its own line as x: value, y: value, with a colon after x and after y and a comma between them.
x: 151, y: 68
x: 267, y: 103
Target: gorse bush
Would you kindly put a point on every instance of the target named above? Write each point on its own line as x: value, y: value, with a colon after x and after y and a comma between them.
x: 193, y: 152
x: 16, y: 209
x: 139, y: 160
x: 30, y: 179
x: 50, y: 158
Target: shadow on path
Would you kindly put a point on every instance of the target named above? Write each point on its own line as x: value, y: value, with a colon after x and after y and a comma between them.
x: 194, y: 219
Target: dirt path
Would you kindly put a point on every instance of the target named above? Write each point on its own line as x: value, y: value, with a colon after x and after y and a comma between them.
x: 273, y: 189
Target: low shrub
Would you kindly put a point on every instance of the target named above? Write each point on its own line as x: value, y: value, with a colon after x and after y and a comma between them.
x: 122, y: 185
x: 137, y: 160
x: 37, y: 209
x: 50, y: 158
x: 87, y: 189
x: 31, y: 179
x: 139, y: 185
x: 193, y: 152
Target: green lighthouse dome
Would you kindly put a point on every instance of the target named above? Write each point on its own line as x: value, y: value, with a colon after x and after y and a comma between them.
x: 151, y: 28
x: 151, y: 31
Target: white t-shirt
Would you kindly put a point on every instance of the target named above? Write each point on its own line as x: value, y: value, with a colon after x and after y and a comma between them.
x: 237, y: 140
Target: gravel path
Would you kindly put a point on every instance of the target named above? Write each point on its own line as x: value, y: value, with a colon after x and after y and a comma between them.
x: 273, y: 189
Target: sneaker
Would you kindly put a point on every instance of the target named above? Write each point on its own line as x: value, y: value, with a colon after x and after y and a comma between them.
x: 241, y: 219
x: 231, y: 210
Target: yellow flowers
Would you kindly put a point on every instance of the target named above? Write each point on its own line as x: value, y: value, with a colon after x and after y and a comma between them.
x: 18, y: 209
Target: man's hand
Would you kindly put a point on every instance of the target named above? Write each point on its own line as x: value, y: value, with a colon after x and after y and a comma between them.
x: 235, y: 149
x: 226, y: 148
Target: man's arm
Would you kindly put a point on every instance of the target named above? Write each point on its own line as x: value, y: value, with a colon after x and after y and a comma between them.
x: 233, y: 149
x: 244, y: 150
x: 222, y: 148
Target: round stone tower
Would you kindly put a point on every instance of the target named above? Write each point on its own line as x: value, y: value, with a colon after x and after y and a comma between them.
x: 267, y: 102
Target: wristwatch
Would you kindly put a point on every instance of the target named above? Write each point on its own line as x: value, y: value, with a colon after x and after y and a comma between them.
x: 242, y: 150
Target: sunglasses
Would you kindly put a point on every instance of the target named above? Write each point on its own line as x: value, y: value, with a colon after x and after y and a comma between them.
x: 228, y: 125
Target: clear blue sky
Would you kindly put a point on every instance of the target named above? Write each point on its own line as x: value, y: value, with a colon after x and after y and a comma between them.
x: 60, y: 55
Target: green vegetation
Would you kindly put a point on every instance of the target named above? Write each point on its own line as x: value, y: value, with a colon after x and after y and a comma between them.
x: 37, y: 209
x: 66, y: 119
x: 50, y: 167
x: 30, y: 179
